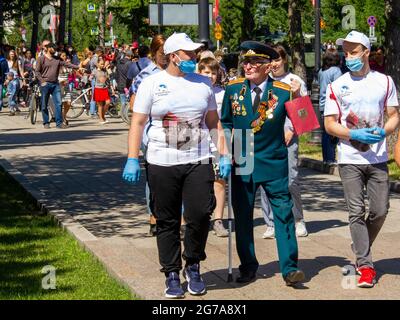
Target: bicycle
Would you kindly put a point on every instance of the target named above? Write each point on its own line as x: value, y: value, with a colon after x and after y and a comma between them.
x: 126, y: 113
x: 33, y: 98
x: 34, y: 102
x: 81, y: 103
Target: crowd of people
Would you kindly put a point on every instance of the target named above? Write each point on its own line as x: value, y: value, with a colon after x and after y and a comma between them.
x: 198, y: 124
x: 174, y: 108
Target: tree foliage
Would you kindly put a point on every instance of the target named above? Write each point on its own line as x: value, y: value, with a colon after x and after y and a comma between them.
x: 242, y: 19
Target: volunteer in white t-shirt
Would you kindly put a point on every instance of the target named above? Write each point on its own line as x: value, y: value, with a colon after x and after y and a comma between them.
x: 182, y: 109
x: 280, y: 72
x: 354, y: 112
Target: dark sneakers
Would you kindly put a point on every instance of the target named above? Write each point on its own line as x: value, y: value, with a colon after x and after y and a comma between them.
x: 196, y: 285
x: 246, y: 277
x: 173, y: 286
x: 294, y: 277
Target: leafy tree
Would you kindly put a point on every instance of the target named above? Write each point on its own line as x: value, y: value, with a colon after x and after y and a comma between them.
x: 392, y: 40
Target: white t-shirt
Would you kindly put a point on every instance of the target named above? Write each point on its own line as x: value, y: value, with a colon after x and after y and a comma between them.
x: 362, y: 105
x: 177, y: 107
x: 219, y: 97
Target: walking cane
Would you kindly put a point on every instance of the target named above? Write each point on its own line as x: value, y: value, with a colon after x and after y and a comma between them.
x: 230, y: 218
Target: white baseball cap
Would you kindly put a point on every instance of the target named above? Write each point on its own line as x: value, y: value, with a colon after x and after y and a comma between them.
x: 180, y: 41
x: 355, y: 37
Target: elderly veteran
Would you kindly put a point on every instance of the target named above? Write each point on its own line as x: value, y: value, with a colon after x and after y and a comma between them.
x: 253, y: 107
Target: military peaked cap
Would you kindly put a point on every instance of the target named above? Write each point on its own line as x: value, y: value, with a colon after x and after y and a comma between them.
x: 258, y: 49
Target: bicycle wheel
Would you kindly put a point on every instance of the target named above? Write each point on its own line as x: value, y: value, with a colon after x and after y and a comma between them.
x: 33, y: 109
x: 76, y: 109
x: 126, y: 113
x: 113, y: 111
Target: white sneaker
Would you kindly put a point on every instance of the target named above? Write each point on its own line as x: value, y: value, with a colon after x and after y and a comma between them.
x: 301, y: 230
x: 269, y: 233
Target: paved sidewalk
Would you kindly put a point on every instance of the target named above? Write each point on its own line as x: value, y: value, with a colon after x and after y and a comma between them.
x: 76, y: 174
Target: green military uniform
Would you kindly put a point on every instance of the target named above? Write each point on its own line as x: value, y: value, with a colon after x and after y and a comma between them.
x: 261, y: 142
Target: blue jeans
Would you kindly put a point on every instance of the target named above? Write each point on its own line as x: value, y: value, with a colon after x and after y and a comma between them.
x: 122, y: 98
x: 92, y: 102
x: 54, y: 90
x: 328, y: 148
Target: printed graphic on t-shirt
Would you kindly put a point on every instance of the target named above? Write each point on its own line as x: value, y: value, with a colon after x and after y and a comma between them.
x: 183, y: 133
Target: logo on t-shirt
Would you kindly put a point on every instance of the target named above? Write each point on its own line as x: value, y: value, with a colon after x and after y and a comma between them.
x: 344, y: 90
x: 162, y: 90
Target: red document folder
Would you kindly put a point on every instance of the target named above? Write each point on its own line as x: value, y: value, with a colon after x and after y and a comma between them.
x: 301, y: 112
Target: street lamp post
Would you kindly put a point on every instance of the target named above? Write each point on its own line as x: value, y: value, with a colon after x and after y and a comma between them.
x: 204, y: 26
x: 316, y: 135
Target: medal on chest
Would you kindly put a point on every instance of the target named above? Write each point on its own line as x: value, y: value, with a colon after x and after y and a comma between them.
x: 265, y: 111
x: 238, y: 108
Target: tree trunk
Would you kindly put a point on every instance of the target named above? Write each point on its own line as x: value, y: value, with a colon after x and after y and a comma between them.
x: 1, y: 22
x: 392, y: 40
x: 101, y: 25
x: 35, y: 25
x: 296, y: 39
x: 392, y: 37
x: 63, y: 15
x: 248, y: 20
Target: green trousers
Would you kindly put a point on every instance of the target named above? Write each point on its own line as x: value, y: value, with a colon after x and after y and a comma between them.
x: 243, y: 197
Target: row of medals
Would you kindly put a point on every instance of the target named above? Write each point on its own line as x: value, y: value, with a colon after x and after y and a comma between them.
x: 262, y: 110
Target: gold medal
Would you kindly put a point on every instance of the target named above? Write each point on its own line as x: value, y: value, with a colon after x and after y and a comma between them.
x: 241, y: 98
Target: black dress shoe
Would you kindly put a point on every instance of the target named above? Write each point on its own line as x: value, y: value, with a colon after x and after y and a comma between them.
x: 294, y: 277
x: 246, y: 277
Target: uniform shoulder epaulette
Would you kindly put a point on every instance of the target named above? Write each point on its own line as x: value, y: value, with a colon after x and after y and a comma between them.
x: 281, y: 85
x: 239, y: 80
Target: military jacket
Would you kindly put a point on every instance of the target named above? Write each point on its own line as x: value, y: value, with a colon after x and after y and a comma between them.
x: 259, y: 149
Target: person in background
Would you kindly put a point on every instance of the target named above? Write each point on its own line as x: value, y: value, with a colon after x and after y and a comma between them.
x: 12, y: 92
x: 329, y: 72
x: 378, y: 62
x: 219, y: 55
x: 65, y: 88
x: 47, y: 71
x: 280, y: 72
x: 210, y: 67
x: 42, y: 48
x: 101, y: 94
x: 137, y: 66
x: 14, y: 64
x: 123, y: 63
x: 158, y: 64
x: 355, y: 108
x: 3, y: 74
x: 92, y: 67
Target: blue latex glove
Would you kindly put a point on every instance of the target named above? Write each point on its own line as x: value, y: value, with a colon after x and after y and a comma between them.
x: 380, y: 131
x: 131, y: 172
x: 365, y: 135
x: 225, y: 166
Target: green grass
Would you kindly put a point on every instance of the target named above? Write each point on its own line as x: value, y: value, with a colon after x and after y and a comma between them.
x: 309, y: 150
x: 30, y: 241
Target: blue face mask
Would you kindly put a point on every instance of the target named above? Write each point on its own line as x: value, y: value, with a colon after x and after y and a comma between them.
x: 187, y: 66
x: 355, y: 64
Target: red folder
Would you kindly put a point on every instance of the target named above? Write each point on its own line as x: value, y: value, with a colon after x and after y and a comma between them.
x: 301, y: 112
